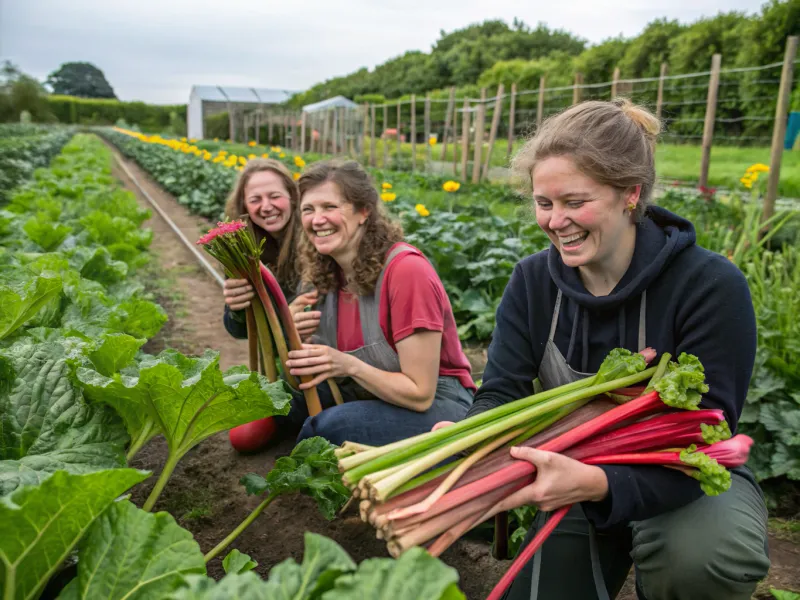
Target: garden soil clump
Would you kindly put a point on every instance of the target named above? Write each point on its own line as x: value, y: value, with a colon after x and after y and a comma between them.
x: 204, y: 493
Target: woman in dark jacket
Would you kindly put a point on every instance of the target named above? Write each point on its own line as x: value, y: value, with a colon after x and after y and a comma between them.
x: 620, y: 273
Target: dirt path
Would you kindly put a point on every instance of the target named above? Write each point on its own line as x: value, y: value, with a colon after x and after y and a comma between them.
x: 204, y: 494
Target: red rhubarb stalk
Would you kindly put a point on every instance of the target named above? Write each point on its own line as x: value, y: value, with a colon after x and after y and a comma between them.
x: 527, y: 553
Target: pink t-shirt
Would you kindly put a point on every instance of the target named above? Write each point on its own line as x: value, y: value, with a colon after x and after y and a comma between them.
x: 412, y: 299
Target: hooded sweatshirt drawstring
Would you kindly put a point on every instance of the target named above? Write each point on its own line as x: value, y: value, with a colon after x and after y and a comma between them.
x: 582, y: 316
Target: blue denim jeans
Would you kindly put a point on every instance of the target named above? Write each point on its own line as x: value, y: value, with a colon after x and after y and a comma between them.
x: 375, y: 422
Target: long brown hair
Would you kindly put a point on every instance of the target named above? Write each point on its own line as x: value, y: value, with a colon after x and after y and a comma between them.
x: 611, y: 142
x: 280, y: 257
x: 380, y: 232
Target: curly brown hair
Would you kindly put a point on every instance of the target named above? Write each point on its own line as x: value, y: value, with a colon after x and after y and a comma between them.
x: 380, y: 232
x: 281, y: 257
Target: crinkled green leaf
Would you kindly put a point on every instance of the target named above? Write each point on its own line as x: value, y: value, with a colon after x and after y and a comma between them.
x: 139, y: 318
x: 134, y: 555
x: 311, y: 469
x: 416, y: 574
x: 620, y: 363
x: 45, y: 423
x: 47, y: 234
x: 116, y: 351
x: 189, y: 398
x: 713, y: 477
x: 236, y: 586
x: 98, y: 265
x: 715, y: 433
x: 22, y: 295
x: 39, y: 525
x: 238, y: 562
x: 683, y: 384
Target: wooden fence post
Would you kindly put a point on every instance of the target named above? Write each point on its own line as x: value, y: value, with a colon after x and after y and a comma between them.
x: 303, y: 118
x: 660, y: 97
x: 372, y: 150
x: 614, y: 82
x: 295, y: 145
x: 711, y: 111
x: 428, y: 150
x: 511, y: 118
x: 399, y: 114
x: 465, y: 118
x: 364, y: 132
x: 231, y: 124
x: 244, y: 126
x: 540, y: 103
x: 779, y: 129
x: 498, y: 110
x: 576, y: 90
x: 269, y: 128
x: 413, y: 133
x: 385, y: 140
x: 479, y: 124
x: 455, y: 142
x: 449, y: 123
x: 258, y: 126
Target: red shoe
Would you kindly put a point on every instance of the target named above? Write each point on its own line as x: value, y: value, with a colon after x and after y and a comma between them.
x: 254, y: 435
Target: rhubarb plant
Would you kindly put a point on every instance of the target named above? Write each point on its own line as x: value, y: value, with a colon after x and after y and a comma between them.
x: 311, y: 469
x: 46, y: 424
x: 187, y: 399
x: 22, y: 295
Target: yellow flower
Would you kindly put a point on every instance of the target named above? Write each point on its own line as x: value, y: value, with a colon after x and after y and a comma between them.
x: 386, y: 185
x: 275, y: 148
x: 758, y: 168
x: 282, y: 155
x: 298, y: 160
x: 227, y: 141
x: 222, y: 152
x: 451, y: 186
x: 296, y: 176
x: 216, y: 139
x: 183, y: 139
x: 432, y: 140
x: 265, y: 155
x: 239, y: 168
x: 192, y: 141
x: 242, y: 160
x: 423, y: 212
x: 219, y: 159
x: 388, y: 196
x: 251, y: 144
x: 747, y: 182
x: 251, y: 156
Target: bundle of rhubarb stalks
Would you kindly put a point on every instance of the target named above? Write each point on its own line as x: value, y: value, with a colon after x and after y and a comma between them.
x: 268, y: 317
x: 431, y: 489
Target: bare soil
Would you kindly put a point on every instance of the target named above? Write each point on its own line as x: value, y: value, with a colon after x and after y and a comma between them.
x: 204, y: 493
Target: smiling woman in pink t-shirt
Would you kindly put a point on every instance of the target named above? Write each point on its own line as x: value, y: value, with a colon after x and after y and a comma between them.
x: 380, y: 321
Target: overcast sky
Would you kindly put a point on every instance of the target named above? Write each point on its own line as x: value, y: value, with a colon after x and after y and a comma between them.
x: 155, y: 50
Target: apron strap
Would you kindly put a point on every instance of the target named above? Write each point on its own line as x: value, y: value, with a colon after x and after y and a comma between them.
x: 554, y: 321
x: 643, y: 321
x: 368, y: 306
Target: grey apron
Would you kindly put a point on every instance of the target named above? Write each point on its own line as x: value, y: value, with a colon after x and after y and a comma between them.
x: 554, y: 371
x: 376, y: 351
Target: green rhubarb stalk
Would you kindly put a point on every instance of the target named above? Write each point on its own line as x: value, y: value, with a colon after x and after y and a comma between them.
x: 351, y: 462
x: 389, y: 484
x: 265, y: 339
x: 239, y: 529
x: 144, y: 436
x: 252, y: 339
x: 169, y: 467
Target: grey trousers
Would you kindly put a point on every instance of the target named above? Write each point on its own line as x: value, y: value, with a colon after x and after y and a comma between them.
x: 714, y: 548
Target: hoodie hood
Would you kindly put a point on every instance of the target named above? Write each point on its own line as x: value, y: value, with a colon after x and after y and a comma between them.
x: 660, y: 236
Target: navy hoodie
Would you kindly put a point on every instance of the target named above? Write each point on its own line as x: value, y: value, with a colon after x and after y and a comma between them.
x: 697, y: 302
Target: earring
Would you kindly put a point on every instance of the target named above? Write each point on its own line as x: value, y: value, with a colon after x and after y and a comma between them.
x: 631, y: 206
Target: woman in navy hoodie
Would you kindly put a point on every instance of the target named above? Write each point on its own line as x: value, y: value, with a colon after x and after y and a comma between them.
x: 623, y: 273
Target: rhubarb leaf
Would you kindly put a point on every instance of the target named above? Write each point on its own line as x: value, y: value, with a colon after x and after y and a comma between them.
x: 241, y: 586
x: 311, y: 469
x: 45, y: 423
x: 620, y: 363
x: 713, y: 477
x: 416, y: 574
x: 116, y: 351
x: 130, y: 553
x: 715, y: 433
x: 45, y: 233
x: 237, y: 562
x: 188, y: 398
x: 683, y: 385
x: 21, y: 297
x: 39, y: 525
x: 323, y: 562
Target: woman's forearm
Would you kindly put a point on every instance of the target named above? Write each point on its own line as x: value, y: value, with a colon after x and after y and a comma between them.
x: 395, y: 388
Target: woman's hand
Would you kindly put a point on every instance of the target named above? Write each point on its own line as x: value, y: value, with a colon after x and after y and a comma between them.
x: 237, y: 293
x: 305, y: 321
x: 321, y: 362
x: 560, y: 481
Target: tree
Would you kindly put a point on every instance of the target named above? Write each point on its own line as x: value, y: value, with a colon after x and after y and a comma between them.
x: 80, y: 79
x: 21, y: 93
